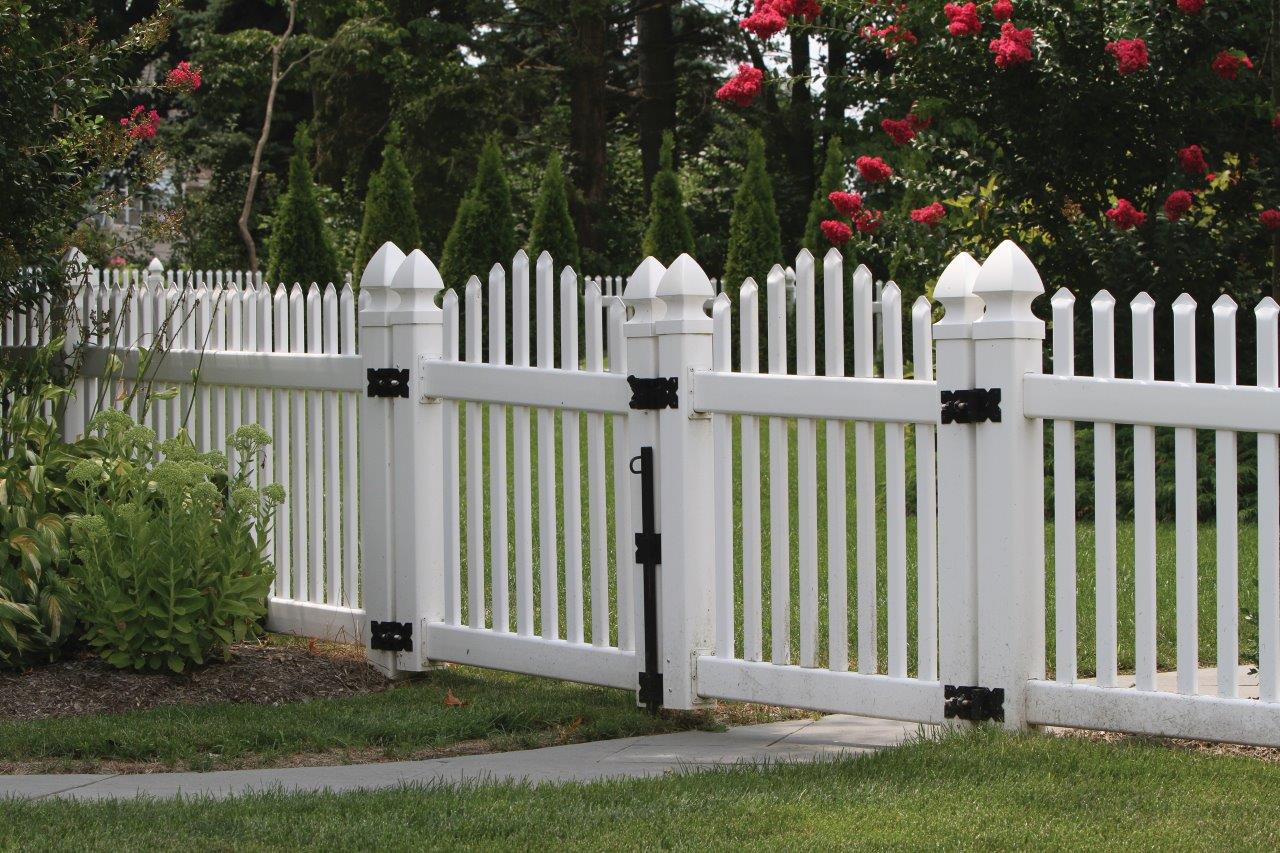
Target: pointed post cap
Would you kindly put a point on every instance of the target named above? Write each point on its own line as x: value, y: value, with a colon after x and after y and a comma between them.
x: 641, y: 296
x: 375, y: 284
x: 413, y: 291
x: 1007, y: 284
x: 684, y: 291
x: 954, y: 292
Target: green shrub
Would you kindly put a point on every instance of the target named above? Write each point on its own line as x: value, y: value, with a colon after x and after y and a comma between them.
x: 37, y: 601
x: 670, y: 234
x: 553, y: 229
x: 755, y: 243
x: 484, y: 230
x: 389, y: 211
x: 169, y: 554
x: 300, y: 249
x: 833, y: 178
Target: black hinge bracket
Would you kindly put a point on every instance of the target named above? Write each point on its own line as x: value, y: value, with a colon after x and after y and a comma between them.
x: 388, y: 382
x: 976, y: 704
x: 648, y: 549
x: 650, y: 693
x: 649, y: 557
x: 971, y: 406
x: 656, y: 393
x: 391, y: 636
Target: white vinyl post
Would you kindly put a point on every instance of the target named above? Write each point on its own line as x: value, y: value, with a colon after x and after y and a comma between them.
x: 1008, y: 340
x: 79, y: 275
x: 640, y: 296
x: 685, y: 486
x: 957, y: 550
x: 401, y: 484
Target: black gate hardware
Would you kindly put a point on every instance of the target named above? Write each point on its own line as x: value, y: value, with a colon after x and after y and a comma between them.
x: 391, y: 636
x: 388, y: 382
x: 971, y: 406
x: 976, y: 704
x: 648, y: 555
x: 656, y: 393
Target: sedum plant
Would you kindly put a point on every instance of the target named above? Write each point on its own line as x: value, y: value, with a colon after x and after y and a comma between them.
x: 170, y: 547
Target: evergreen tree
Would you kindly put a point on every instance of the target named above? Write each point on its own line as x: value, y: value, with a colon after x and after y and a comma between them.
x: 755, y: 243
x: 670, y: 233
x: 389, y: 211
x: 484, y: 230
x: 553, y: 229
x: 300, y: 247
x: 833, y: 178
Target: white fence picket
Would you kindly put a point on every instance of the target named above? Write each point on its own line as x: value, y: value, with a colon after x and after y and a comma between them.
x: 1104, y: 500
x: 779, y: 482
x: 1144, y: 503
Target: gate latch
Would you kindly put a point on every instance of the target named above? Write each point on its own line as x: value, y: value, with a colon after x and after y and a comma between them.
x: 656, y: 393
x: 391, y: 636
x: 976, y: 704
x: 971, y: 406
x: 388, y: 382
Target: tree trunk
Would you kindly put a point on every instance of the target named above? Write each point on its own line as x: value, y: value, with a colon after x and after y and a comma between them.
x: 834, y: 90
x: 656, y: 47
x: 585, y: 66
x: 800, y: 149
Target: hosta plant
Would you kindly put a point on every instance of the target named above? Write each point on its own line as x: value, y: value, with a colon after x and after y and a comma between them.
x: 170, y: 547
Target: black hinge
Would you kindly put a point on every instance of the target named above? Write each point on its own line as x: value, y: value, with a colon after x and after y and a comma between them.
x: 650, y: 693
x: 391, y: 636
x: 971, y: 406
x: 976, y: 704
x: 656, y: 393
x: 648, y: 549
x: 649, y: 556
x: 388, y: 382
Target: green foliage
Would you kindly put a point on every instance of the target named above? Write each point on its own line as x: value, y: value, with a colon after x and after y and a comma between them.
x: 670, y: 233
x: 300, y: 247
x: 169, y: 554
x: 755, y: 243
x: 37, y: 600
x: 484, y: 231
x: 832, y: 178
x: 389, y: 211
x: 553, y: 229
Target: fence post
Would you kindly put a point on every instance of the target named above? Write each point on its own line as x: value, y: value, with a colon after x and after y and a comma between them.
x: 957, y: 549
x: 401, y: 492
x: 75, y: 266
x: 1008, y: 341
x: 685, y: 485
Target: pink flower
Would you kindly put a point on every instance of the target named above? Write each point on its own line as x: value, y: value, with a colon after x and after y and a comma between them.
x: 766, y: 19
x: 900, y: 130
x: 836, y: 232
x: 743, y: 87
x: 1013, y: 47
x: 140, y: 125
x: 847, y: 204
x: 1270, y: 219
x: 1178, y: 203
x: 963, y: 20
x: 116, y: 261
x: 1227, y: 64
x: 1002, y: 10
x: 873, y: 170
x: 1125, y: 216
x: 1130, y: 54
x: 183, y: 77
x: 1190, y: 7
x: 929, y: 215
x: 1192, y: 160
x: 868, y: 221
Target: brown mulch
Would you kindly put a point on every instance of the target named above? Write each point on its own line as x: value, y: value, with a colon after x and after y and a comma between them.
x: 272, y: 672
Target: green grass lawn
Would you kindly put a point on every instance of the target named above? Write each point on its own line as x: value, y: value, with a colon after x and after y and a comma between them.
x: 984, y: 789
x: 1086, y: 593
x: 501, y: 711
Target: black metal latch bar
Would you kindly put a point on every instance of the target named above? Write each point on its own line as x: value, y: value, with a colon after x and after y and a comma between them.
x: 976, y: 704
x: 656, y: 393
x: 648, y: 556
x: 388, y: 382
x: 391, y: 636
x: 971, y: 406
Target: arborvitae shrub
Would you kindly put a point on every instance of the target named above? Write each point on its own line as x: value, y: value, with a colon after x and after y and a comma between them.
x: 483, y: 231
x: 389, y: 211
x: 300, y: 249
x: 755, y: 243
x: 833, y: 178
x: 670, y: 233
x: 553, y: 229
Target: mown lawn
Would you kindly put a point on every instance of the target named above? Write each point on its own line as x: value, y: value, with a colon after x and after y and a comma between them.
x: 979, y: 790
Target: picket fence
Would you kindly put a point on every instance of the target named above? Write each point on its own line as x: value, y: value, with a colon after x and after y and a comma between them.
x: 620, y: 509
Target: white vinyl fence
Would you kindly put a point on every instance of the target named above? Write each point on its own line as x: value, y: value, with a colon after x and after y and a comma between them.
x: 654, y: 491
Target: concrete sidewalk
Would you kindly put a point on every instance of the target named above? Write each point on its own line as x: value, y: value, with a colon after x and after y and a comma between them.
x: 628, y: 758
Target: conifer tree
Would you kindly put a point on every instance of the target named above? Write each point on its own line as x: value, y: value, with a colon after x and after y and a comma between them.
x: 833, y: 178
x: 670, y: 233
x: 301, y: 250
x: 389, y: 211
x: 755, y: 243
x: 553, y: 229
x: 484, y: 231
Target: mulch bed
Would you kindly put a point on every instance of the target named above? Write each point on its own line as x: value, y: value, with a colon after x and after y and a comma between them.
x: 272, y: 672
